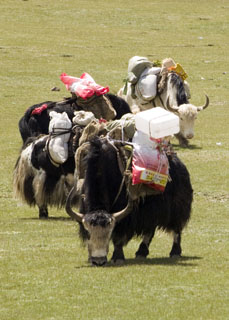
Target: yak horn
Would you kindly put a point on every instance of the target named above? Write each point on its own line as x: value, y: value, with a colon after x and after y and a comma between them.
x: 123, y: 213
x: 172, y: 109
x: 68, y: 207
x: 204, y: 106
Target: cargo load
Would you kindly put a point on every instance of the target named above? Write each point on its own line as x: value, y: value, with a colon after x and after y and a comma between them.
x: 157, y: 123
x: 150, y: 163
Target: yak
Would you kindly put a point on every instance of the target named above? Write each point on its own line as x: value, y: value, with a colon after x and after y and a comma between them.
x: 38, y: 180
x: 175, y: 98
x: 108, y: 211
x: 36, y: 119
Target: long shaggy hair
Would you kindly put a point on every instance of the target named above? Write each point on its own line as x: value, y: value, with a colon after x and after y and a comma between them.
x: 178, y: 84
x: 169, y: 210
x: 33, y: 184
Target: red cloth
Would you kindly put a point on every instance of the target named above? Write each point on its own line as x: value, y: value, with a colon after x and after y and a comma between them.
x: 101, y: 120
x: 40, y: 109
x: 84, y: 87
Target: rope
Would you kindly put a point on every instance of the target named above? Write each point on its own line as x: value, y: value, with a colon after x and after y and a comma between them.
x: 122, y: 167
x: 55, y: 134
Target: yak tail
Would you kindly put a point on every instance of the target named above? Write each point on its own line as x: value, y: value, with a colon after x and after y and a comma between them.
x: 23, y: 179
x: 35, y: 187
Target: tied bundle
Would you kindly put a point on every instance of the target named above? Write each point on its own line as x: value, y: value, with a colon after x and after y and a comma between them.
x: 84, y: 87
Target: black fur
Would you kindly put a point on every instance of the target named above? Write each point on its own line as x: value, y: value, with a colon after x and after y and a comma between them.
x: 34, y: 125
x: 179, y: 84
x: 169, y: 211
x: 40, y: 160
x: 120, y: 105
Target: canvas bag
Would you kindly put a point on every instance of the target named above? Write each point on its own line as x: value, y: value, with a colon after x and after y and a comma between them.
x: 136, y: 66
x: 58, y: 144
x: 146, y: 87
x: 82, y: 118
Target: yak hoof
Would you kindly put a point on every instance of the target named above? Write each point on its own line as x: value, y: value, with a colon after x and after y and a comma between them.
x: 43, y: 214
x: 118, y: 262
x: 184, y: 143
x: 175, y: 253
x: 142, y: 252
x: 140, y: 257
x: 176, y: 250
x: 175, y: 256
x: 118, y: 255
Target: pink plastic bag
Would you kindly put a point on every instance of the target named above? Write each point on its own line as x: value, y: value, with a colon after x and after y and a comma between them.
x: 150, y: 166
x: 84, y: 87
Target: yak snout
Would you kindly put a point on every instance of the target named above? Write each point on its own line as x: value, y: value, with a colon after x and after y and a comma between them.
x: 190, y: 136
x: 98, y: 261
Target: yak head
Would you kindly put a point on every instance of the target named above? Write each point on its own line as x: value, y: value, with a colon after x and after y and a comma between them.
x: 99, y: 225
x: 187, y: 114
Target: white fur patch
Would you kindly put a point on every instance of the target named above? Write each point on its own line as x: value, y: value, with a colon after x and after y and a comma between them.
x: 99, y: 253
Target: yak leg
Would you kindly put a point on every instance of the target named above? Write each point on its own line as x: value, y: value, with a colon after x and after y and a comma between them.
x: 39, y: 194
x: 183, y: 142
x: 176, y: 248
x: 143, y: 249
x: 43, y: 212
x: 118, y: 254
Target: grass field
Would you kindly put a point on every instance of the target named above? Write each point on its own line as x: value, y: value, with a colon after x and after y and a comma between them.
x: 43, y: 266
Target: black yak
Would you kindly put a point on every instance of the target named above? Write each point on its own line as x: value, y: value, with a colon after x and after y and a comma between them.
x: 36, y: 119
x: 109, y: 212
x: 38, y: 180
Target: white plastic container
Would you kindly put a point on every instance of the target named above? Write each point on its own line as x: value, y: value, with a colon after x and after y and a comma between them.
x: 157, y: 123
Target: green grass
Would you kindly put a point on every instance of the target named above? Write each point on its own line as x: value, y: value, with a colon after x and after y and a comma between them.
x: 44, y: 272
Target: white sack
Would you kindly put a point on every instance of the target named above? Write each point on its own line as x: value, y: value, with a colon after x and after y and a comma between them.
x: 58, y: 145
x: 83, y: 117
x: 146, y: 87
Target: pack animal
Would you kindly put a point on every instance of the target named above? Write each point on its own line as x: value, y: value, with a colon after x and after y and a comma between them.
x: 43, y: 173
x: 36, y: 119
x: 107, y: 211
x: 175, y: 98
x: 38, y: 180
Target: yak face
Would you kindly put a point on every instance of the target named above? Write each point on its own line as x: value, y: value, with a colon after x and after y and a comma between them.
x: 98, y: 214
x: 99, y: 226
x: 187, y: 114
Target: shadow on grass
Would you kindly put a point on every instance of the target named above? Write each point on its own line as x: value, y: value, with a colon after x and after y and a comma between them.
x: 47, y: 219
x: 189, y: 147
x: 185, y: 261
